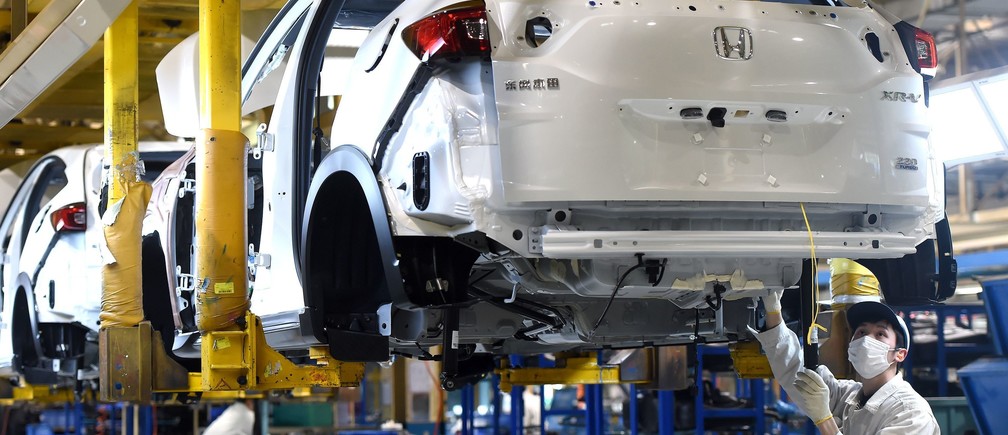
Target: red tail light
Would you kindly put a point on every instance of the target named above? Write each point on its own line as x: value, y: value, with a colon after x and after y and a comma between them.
x: 450, y: 34
x: 70, y: 218
x: 927, y: 56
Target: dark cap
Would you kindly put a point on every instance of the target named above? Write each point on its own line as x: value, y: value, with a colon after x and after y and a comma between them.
x: 870, y: 311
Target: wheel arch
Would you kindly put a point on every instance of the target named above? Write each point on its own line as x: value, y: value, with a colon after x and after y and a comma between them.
x: 344, y: 188
x: 24, y: 310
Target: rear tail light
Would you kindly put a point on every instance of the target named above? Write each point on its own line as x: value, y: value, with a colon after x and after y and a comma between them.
x: 70, y: 218
x: 927, y: 56
x: 450, y: 34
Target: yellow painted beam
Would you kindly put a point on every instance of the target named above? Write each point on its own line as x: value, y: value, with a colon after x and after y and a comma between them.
x: 575, y: 370
x: 38, y: 394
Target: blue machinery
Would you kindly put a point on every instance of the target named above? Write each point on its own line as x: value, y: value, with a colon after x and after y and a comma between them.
x: 595, y: 416
x: 963, y: 315
x: 985, y: 381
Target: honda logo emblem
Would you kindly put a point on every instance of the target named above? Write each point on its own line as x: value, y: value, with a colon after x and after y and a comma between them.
x: 733, y: 43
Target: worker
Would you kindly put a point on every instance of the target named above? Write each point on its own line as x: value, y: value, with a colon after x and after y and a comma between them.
x: 237, y: 419
x: 879, y: 402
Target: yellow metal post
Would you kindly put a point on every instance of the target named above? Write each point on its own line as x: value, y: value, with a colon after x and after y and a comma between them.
x: 121, y: 304
x: 221, y: 151
x: 132, y: 359
x: 121, y: 300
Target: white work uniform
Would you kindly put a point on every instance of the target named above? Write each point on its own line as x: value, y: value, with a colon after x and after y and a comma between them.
x: 237, y: 419
x: 894, y: 409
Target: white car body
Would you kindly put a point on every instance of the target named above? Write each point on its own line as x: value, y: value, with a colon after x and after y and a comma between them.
x: 494, y: 203
x: 56, y: 274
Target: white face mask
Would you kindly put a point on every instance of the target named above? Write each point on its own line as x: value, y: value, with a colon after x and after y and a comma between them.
x: 869, y: 356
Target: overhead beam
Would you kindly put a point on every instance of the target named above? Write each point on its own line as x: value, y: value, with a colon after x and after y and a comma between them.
x: 87, y: 60
x: 53, y: 42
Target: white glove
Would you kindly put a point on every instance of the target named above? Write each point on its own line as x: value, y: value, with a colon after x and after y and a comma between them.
x: 772, y: 301
x: 816, y: 394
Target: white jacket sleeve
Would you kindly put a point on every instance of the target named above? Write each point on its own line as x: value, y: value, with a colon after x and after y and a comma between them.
x: 785, y: 354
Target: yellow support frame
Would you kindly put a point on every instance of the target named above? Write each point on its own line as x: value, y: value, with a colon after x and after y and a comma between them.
x: 38, y: 394
x: 242, y: 360
x: 237, y: 362
x: 576, y: 369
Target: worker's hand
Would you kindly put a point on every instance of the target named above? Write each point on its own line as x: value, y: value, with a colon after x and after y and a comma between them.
x: 816, y: 394
x: 772, y: 301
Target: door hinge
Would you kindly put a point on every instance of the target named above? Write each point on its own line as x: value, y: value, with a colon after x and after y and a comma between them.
x: 186, y: 185
x: 264, y: 142
x: 257, y: 260
x: 184, y: 282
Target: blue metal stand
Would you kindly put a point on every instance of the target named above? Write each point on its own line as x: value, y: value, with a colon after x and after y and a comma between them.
x: 632, y: 424
x: 542, y: 409
x: 517, y: 410
x: 594, y: 405
x: 596, y: 412
x: 468, y: 410
x: 495, y: 390
x: 517, y: 402
x: 79, y: 417
x: 666, y: 413
x: 361, y: 412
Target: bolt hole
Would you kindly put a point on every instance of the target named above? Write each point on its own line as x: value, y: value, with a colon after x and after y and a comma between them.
x: 384, y: 326
x: 692, y: 8
x: 872, y: 219
x: 560, y: 216
x: 517, y: 234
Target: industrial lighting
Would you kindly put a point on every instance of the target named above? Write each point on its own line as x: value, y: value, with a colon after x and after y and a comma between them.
x: 962, y: 129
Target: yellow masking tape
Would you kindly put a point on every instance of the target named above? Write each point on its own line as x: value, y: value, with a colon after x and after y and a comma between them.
x: 222, y: 343
x: 224, y: 288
